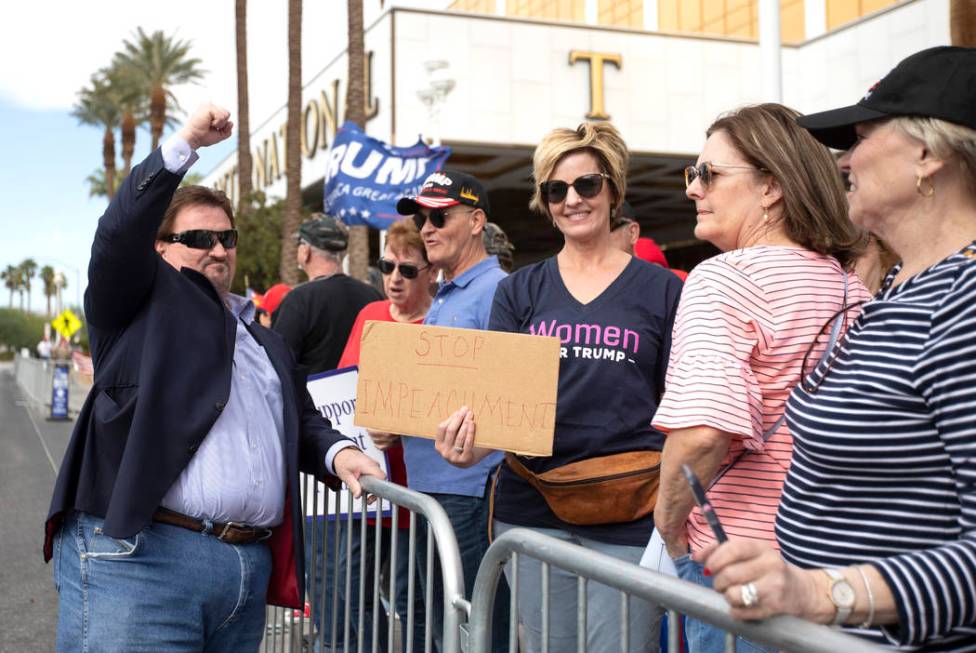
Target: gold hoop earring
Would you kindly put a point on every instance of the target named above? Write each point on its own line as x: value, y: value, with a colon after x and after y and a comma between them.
x: 918, y: 186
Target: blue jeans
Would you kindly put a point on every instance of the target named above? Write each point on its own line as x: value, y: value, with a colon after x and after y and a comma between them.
x: 603, y: 612
x: 167, y: 588
x: 703, y: 637
x: 469, y: 518
x: 322, y: 557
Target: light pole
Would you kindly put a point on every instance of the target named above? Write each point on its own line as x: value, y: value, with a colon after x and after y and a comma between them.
x: 770, y: 46
x: 58, y: 285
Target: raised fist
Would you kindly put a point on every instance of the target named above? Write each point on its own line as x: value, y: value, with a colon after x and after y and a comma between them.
x: 209, y: 124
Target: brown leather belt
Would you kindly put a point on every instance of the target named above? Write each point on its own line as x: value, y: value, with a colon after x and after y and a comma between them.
x: 231, y: 532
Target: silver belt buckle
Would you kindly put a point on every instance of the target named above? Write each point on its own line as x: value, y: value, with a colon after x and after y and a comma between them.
x: 227, y: 527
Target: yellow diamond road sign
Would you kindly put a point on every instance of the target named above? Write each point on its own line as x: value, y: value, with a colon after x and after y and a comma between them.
x: 67, y: 324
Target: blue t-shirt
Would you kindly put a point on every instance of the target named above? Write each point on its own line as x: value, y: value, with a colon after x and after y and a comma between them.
x: 611, y: 375
x: 463, y: 302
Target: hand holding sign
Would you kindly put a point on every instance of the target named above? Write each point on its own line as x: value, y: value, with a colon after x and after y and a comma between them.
x: 455, y: 439
x: 411, y: 378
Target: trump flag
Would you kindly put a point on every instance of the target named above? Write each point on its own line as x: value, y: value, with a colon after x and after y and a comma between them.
x: 366, y: 177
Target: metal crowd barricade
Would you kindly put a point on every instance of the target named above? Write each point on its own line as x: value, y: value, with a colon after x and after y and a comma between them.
x: 35, y: 376
x: 675, y: 595
x: 337, y: 628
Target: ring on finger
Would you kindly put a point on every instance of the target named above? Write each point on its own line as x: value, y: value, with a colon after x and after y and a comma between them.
x: 749, y: 595
x: 459, y: 449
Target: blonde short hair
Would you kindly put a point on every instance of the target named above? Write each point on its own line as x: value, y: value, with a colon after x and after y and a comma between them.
x: 947, y: 140
x: 601, y: 139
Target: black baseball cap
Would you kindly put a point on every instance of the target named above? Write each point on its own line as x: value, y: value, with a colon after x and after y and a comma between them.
x: 325, y: 232
x: 935, y: 83
x: 443, y: 189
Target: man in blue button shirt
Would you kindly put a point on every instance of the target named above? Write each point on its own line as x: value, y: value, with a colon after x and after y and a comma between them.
x: 451, y: 211
x: 176, y: 514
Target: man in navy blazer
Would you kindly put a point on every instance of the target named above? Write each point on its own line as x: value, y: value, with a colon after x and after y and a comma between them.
x: 176, y: 514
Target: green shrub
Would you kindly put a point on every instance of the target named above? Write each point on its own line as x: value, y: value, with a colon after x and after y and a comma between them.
x: 20, y: 329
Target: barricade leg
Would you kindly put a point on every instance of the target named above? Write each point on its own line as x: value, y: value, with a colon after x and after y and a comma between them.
x: 469, y: 520
x: 352, y: 562
x: 555, y: 606
x: 406, y: 588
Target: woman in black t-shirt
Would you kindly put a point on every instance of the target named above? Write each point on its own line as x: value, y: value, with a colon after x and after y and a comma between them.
x: 613, y: 314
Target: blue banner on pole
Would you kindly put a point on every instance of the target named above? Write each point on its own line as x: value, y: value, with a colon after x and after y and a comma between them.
x: 366, y: 177
x: 59, y: 392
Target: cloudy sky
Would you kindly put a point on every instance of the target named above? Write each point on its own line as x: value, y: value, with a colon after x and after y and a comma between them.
x: 50, y: 49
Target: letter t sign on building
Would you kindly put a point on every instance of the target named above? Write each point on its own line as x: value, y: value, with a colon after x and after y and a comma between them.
x: 596, y: 60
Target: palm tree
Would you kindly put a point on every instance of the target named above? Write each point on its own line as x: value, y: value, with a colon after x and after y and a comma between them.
x: 356, y: 112
x: 11, y: 280
x: 133, y: 103
x: 293, y: 153
x: 97, y: 187
x: 161, y: 63
x: 962, y: 22
x: 47, y: 276
x: 244, y: 164
x: 191, y: 179
x: 28, y: 269
x: 96, y: 105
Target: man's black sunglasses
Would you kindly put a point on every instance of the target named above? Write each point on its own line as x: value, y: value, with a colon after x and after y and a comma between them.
x: 588, y: 186
x: 407, y: 270
x: 438, y: 218
x: 204, y: 238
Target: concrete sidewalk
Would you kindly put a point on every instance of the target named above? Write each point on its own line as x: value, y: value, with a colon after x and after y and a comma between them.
x: 31, y: 449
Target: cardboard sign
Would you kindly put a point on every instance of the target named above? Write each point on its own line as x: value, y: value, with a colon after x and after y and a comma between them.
x: 411, y: 377
x: 334, y: 395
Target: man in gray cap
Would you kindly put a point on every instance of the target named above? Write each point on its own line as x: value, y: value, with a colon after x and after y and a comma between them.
x: 316, y: 317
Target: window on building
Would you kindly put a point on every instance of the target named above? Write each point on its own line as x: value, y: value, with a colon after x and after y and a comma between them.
x: 737, y: 18
x: 482, y: 6
x: 569, y: 10
x: 840, y: 12
x: 621, y: 13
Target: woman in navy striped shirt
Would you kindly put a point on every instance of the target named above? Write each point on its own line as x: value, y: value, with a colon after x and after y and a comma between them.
x: 877, y: 523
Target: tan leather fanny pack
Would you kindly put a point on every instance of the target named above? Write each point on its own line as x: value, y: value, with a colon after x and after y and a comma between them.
x: 603, y: 490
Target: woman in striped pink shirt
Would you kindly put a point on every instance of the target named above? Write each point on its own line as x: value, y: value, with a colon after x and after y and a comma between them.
x: 771, y: 198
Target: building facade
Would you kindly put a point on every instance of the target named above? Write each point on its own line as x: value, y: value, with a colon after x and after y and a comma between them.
x: 490, y: 77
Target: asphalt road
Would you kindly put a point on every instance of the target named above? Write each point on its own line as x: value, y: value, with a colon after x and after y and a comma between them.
x: 30, y: 449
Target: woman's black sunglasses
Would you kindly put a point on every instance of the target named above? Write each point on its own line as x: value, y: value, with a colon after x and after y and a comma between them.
x: 438, y: 218
x: 407, y: 270
x: 204, y: 238
x: 588, y: 186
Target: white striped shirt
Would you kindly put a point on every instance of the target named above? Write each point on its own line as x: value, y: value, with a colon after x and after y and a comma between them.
x: 884, y: 456
x: 745, y: 321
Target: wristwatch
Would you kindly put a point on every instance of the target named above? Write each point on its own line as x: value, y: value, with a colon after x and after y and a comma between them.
x: 841, y: 594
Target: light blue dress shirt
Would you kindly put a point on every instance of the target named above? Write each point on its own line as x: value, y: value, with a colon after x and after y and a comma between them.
x: 463, y: 302
x: 238, y: 473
